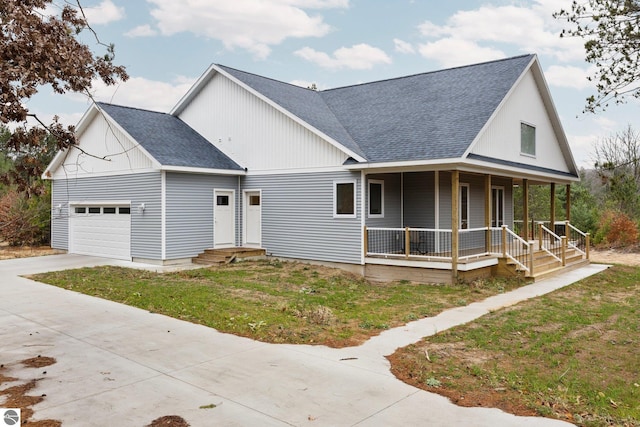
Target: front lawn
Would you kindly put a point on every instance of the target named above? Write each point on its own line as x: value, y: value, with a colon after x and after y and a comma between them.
x: 572, y: 354
x: 273, y: 301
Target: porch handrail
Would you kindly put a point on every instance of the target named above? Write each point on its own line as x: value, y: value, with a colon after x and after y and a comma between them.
x: 582, y: 238
x: 509, y: 250
x: 544, y: 235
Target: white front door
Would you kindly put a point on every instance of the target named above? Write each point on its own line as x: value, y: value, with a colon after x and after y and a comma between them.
x: 224, y: 230
x: 253, y: 219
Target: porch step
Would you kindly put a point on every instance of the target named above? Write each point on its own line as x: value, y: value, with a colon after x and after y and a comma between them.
x: 226, y: 255
x: 545, y: 264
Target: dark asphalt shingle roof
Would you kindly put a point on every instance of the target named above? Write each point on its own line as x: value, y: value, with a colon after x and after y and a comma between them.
x: 426, y: 116
x: 168, y: 139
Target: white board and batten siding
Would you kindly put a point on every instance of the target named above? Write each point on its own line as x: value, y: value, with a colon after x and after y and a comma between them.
x: 110, y: 191
x: 253, y: 133
x: 501, y: 139
x: 298, y: 220
x: 112, y: 152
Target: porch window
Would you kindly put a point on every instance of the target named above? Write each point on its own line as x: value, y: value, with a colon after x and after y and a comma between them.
x: 376, y: 198
x: 497, y: 206
x: 527, y: 139
x: 463, y: 206
x: 344, y: 199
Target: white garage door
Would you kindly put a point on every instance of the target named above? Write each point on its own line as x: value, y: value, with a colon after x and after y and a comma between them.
x: 103, y: 230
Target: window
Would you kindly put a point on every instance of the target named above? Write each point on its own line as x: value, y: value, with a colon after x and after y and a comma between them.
x: 124, y: 211
x: 463, y: 205
x: 497, y: 206
x: 254, y: 200
x: 109, y: 210
x: 222, y: 200
x: 376, y: 198
x: 94, y: 210
x: 81, y: 210
x: 527, y: 139
x: 344, y: 196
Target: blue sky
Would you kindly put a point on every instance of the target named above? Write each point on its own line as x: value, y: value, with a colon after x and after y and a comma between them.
x: 167, y: 44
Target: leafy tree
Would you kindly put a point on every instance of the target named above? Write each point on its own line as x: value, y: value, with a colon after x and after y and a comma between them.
x: 618, y: 166
x: 38, y: 49
x: 611, y: 30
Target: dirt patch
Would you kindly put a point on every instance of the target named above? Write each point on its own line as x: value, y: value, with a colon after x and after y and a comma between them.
x: 11, y: 252
x: 18, y: 395
x: 612, y: 256
x: 169, y: 421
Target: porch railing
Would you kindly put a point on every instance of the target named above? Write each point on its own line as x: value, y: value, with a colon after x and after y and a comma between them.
x: 434, y: 244
x: 578, y: 240
x: 517, y: 249
x: 551, y: 243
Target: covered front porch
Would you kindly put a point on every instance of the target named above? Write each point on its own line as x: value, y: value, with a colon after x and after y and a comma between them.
x: 446, y: 226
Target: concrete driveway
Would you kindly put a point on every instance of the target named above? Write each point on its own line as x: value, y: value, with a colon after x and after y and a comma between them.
x: 118, y: 365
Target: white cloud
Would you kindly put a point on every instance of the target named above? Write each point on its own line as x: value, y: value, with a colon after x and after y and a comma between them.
x: 452, y: 52
x: 103, y: 13
x: 568, y: 76
x: 141, y: 31
x: 357, y: 57
x: 532, y: 29
x: 143, y: 93
x: 403, y: 47
x: 254, y: 25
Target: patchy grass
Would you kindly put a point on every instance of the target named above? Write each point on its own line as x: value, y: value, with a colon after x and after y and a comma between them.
x: 572, y: 355
x: 273, y: 301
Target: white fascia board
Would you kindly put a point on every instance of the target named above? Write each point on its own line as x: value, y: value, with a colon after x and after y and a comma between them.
x: 541, y: 80
x: 478, y: 166
x: 495, y: 112
x: 78, y: 175
x: 294, y: 171
x: 194, y: 90
x: 291, y: 115
x: 406, y: 166
x: 60, y: 156
x: 545, y: 93
x: 466, y: 165
x: 154, y: 162
x: 207, y: 171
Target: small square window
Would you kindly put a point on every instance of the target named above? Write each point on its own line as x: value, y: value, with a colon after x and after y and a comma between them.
x: 222, y: 200
x: 109, y: 210
x: 94, y: 210
x: 527, y: 139
x: 81, y: 210
x: 345, y: 199
x: 254, y: 200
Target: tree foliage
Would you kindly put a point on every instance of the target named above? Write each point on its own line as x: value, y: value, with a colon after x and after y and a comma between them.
x: 618, y: 166
x: 38, y: 49
x: 611, y: 30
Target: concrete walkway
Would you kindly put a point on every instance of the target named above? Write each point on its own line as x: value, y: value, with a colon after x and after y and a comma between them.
x: 118, y: 365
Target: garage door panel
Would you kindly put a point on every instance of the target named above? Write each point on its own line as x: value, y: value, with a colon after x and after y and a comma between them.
x: 107, y: 235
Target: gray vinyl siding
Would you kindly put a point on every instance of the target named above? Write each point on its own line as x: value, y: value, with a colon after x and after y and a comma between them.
x: 392, y: 201
x: 476, y: 199
x: 189, y: 211
x: 507, y: 184
x: 144, y: 188
x: 297, y: 217
x: 419, y: 199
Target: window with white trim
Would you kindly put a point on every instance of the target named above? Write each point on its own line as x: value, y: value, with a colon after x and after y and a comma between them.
x: 463, y: 206
x: 527, y: 139
x: 344, y: 199
x: 376, y: 198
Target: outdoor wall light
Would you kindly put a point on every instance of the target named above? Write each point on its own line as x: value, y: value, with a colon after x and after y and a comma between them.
x: 58, y: 210
x: 141, y: 208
